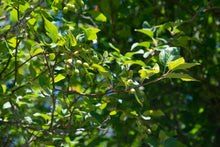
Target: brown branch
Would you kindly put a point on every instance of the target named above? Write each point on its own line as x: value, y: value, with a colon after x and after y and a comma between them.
x: 53, y: 94
x: 113, y: 91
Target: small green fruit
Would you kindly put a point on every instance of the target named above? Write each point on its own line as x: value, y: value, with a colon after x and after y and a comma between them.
x: 78, y: 62
x: 65, y: 10
x: 130, y: 81
x: 71, y: 7
x: 132, y: 90
x: 76, y: 53
x: 81, y: 3
x: 70, y: 61
x: 86, y: 65
x: 149, y: 131
x: 76, y: 71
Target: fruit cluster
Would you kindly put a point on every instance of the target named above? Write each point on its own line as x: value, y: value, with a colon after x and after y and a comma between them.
x: 73, y: 5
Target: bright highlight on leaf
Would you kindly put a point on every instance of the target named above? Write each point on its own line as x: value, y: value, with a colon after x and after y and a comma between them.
x: 180, y: 64
x: 51, y: 29
x: 146, y: 32
x: 98, y: 16
x: 146, y: 73
x: 91, y: 33
x: 176, y: 63
x: 58, y: 78
x: 113, y: 112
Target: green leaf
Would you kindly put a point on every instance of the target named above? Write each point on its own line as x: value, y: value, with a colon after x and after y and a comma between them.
x: 168, y: 55
x: 3, y: 47
x: 38, y: 51
x: 6, y: 105
x: 131, y: 62
x: 180, y: 64
x: 91, y: 33
x: 112, y: 46
x: 176, y: 63
x: 32, y: 70
x: 2, y: 89
x: 138, y: 97
x: 59, y: 77
x: 162, y: 135
x: 147, y: 32
x: 146, y: 73
x: 51, y: 29
x: 145, y: 44
x: 113, y: 112
x: 158, y: 113
x: 43, y: 80
x: 44, y: 116
x: 98, y: 16
x: 171, y: 142
x: 184, y: 77
x: 14, y: 15
x: 71, y: 40
x: 102, y: 70
x: 99, y: 68
x: 12, y: 42
x: 103, y: 106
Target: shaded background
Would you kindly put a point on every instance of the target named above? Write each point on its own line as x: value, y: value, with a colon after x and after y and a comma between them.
x: 192, y: 108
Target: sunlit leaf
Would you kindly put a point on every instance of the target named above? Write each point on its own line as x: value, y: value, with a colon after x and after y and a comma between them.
x: 51, y: 29
x: 147, y: 32
x: 91, y: 33
x: 180, y: 64
x: 58, y: 78
x: 14, y: 15
x: 138, y: 62
x: 113, y: 112
x: 98, y: 16
x: 146, y: 73
x: 175, y: 63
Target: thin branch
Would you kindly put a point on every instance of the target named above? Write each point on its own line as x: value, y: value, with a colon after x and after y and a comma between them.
x: 53, y: 94
x: 90, y: 19
x: 113, y: 91
x: 23, y: 64
x: 6, y: 66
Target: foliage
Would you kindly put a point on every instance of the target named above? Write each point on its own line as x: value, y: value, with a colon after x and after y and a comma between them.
x: 81, y: 73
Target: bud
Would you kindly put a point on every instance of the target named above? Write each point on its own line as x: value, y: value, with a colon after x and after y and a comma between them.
x: 76, y: 53
x: 132, y: 90
x: 78, y: 62
x: 130, y: 82
x: 70, y: 61
x: 86, y: 65
x: 65, y: 10
x: 71, y: 7
x: 76, y: 71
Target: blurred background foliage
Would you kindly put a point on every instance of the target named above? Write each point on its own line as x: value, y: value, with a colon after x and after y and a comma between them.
x: 189, y: 110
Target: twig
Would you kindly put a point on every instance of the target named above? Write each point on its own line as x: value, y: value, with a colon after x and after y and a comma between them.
x: 6, y: 66
x: 113, y: 91
x: 89, y: 18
